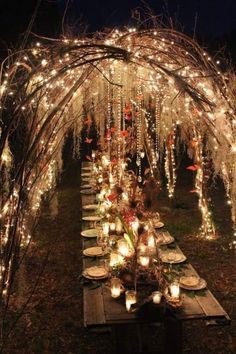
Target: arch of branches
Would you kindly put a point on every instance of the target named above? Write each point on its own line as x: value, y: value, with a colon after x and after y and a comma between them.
x: 148, y: 92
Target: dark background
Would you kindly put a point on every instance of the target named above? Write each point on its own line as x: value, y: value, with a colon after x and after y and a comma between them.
x: 215, y: 19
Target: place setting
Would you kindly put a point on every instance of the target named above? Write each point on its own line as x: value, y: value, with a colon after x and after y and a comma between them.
x: 172, y: 257
x: 90, y: 233
x: 90, y: 207
x: 164, y: 238
x: 192, y: 282
x: 95, y: 273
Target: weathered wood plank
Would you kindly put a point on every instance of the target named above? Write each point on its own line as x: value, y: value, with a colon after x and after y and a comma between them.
x: 93, y: 307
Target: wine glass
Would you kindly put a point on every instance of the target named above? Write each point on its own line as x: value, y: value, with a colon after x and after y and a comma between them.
x: 102, y: 240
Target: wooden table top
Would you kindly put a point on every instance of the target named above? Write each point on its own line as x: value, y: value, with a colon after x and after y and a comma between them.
x: 101, y: 309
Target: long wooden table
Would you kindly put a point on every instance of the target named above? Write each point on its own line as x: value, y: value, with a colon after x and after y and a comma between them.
x: 100, y: 309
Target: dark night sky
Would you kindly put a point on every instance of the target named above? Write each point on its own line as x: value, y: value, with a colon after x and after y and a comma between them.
x: 216, y: 18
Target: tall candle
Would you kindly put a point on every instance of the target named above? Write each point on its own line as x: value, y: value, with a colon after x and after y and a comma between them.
x: 123, y: 248
x: 174, y: 290
x: 130, y: 299
x: 112, y: 226
x: 116, y: 259
x: 105, y: 228
x: 115, y: 287
x: 156, y: 297
x: 144, y: 261
x: 119, y: 226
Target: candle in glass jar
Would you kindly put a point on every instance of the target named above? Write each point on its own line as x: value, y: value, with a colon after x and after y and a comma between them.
x: 151, y: 241
x: 115, y: 287
x: 102, y: 208
x: 174, y: 290
x: 119, y: 226
x: 135, y: 225
x: 156, y: 297
x: 112, y: 226
x: 115, y: 259
x: 144, y: 261
x: 123, y: 248
x: 130, y: 299
x: 105, y: 228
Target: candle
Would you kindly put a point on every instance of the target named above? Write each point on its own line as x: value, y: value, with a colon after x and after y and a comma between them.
x: 116, y: 259
x: 174, y: 290
x: 105, y: 228
x: 123, y: 248
x: 125, y: 197
x: 130, y: 299
x: 115, y: 287
x: 102, y: 208
x: 112, y: 226
x: 151, y: 241
x: 156, y: 297
x: 135, y: 225
x: 118, y: 226
x: 144, y: 261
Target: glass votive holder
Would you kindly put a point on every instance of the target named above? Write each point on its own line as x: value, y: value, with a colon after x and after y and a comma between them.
x: 174, y: 290
x: 123, y: 248
x: 105, y: 228
x: 116, y: 259
x: 130, y: 299
x: 156, y: 297
x: 144, y: 261
x: 116, y: 287
x: 112, y: 226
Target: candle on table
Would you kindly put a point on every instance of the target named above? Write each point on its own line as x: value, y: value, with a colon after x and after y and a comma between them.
x: 112, y: 226
x: 116, y: 259
x: 130, y: 299
x: 174, y: 290
x: 118, y: 226
x: 135, y: 225
x: 123, y: 248
x: 156, y: 297
x: 144, y: 261
x: 115, y: 287
x: 105, y: 228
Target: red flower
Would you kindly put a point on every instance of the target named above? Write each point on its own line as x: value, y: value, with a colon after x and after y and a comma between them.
x: 114, y: 161
x: 129, y: 216
x: 124, y: 133
x: 112, y: 197
x: 88, y: 141
x: 193, y: 168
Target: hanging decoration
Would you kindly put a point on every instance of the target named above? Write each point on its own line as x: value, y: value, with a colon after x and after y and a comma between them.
x: 142, y: 84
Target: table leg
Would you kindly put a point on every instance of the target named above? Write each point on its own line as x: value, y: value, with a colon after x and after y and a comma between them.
x: 126, y: 339
x: 173, y: 336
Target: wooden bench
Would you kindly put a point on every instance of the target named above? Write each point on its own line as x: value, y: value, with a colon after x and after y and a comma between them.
x: 100, y: 309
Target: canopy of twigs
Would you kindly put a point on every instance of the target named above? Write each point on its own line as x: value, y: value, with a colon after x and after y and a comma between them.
x: 158, y: 85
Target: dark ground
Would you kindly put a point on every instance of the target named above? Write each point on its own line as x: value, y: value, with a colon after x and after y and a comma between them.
x: 53, y: 321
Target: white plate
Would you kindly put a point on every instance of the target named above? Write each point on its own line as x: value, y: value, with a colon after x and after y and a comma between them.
x: 91, y: 207
x: 91, y: 218
x: 87, y: 191
x: 158, y: 224
x: 95, y: 273
x: 201, y: 285
x: 90, y: 233
x: 95, y: 251
x: 86, y: 186
x: 172, y: 257
x: 164, y: 238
